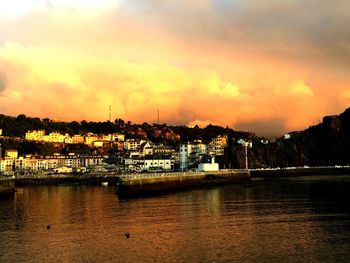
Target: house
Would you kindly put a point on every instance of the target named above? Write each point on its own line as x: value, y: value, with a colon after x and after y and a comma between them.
x: 90, y: 138
x: 157, y: 163
x: 132, y: 144
x: 6, y: 165
x: 118, y: 137
x: 63, y: 169
x: 76, y: 139
x: 217, y: 145
x: 35, y: 135
x: 11, y: 153
x: 146, y: 148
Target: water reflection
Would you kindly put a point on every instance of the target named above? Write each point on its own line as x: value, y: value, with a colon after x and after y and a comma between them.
x: 288, y: 221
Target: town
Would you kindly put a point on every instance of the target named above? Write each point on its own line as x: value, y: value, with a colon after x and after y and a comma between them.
x: 133, y: 155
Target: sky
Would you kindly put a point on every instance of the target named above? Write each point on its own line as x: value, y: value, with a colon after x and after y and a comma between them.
x: 269, y: 66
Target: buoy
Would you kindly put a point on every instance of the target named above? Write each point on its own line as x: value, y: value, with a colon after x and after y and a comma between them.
x: 127, y: 235
x: 48, y: 227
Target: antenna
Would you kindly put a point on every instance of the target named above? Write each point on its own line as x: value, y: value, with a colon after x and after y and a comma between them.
x: 158, y: 116
x: 110, y: 113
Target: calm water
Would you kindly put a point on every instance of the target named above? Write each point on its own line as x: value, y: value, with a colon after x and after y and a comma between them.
x: 300, y: 220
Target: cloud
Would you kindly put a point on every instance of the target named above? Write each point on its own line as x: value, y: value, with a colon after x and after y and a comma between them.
x: 3, y: 81
x: 234, y: 63
x: 268, y: 127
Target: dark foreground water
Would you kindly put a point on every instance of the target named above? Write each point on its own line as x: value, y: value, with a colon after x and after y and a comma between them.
x: 297, y: 220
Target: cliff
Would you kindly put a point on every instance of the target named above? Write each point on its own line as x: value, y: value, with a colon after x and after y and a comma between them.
x: 325, y: 144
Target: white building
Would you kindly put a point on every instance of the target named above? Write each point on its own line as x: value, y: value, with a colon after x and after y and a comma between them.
x: 132, y: 144
x: 206, y: 167
x: 190, y: 153
x: 163, y: 164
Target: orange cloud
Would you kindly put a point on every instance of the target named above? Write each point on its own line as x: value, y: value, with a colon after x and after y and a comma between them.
x: 223, y: 62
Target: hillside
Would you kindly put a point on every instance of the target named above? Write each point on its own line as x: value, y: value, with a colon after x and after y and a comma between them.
x: 327, y: 143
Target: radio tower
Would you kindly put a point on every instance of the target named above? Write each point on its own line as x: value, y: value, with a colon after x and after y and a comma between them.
x: 158, y: 116
x: 110, y: 113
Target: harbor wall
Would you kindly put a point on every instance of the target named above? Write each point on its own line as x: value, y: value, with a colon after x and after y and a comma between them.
x: 301, y: 171
x: 7, y: 186
x: 67, y: 179
x: 162, y: 183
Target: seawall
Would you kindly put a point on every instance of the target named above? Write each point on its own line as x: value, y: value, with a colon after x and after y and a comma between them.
x: 300, y: 171
x: 87, y: 179
x: 7, y: 186
x: 147, y: 184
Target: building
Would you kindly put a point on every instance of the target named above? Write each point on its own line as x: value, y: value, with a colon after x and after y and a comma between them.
x: 31, y: 164
x: 162, y: 149
x: 63, y: 169
x: 206, y: 167
x: 217, y: 145
x: 132, y: 144
x: 76, y: 139
x: 7, y: 165
x: 90, y: 138
x: 35, y: 135
x: 56, y: 137
x: 190, y: 153
x: 13, y: 154
x: 287, y: 136
x: 98, y: 143
x: 68, y: 139
x: 149, y: 163
x: 118, y: 137
x: 146, y: 149
x: 154, y: 163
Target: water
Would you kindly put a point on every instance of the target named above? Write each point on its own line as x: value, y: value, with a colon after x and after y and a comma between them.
x: 295, y: 220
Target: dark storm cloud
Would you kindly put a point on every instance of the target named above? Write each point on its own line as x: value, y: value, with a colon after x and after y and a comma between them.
x: 310, y: 30
x: 268, y: 128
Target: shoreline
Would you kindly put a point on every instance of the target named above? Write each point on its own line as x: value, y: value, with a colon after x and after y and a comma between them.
x: 297, y: 172
x: 144, y: 184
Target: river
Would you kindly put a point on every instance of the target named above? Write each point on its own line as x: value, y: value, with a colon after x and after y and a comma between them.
x: 305, y: 219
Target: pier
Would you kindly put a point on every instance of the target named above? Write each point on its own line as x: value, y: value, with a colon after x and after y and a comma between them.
x: 145, y: 184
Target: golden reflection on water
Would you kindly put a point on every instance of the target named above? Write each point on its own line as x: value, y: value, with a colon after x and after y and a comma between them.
x: 271, y: 222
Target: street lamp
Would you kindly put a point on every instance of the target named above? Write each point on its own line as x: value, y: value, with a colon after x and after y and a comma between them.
x: 246, y: 145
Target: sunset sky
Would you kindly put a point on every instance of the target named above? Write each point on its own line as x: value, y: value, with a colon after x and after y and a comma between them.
x: 264, y: 66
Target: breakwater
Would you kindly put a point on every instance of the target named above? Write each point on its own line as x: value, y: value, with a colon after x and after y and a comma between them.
x: 7, y: 186
x: 56, y: 179
x: 298, y: 171
x: 146, y: 184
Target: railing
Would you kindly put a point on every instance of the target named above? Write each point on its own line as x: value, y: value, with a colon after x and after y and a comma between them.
x: 136, y: 176
x: 301, y: 168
